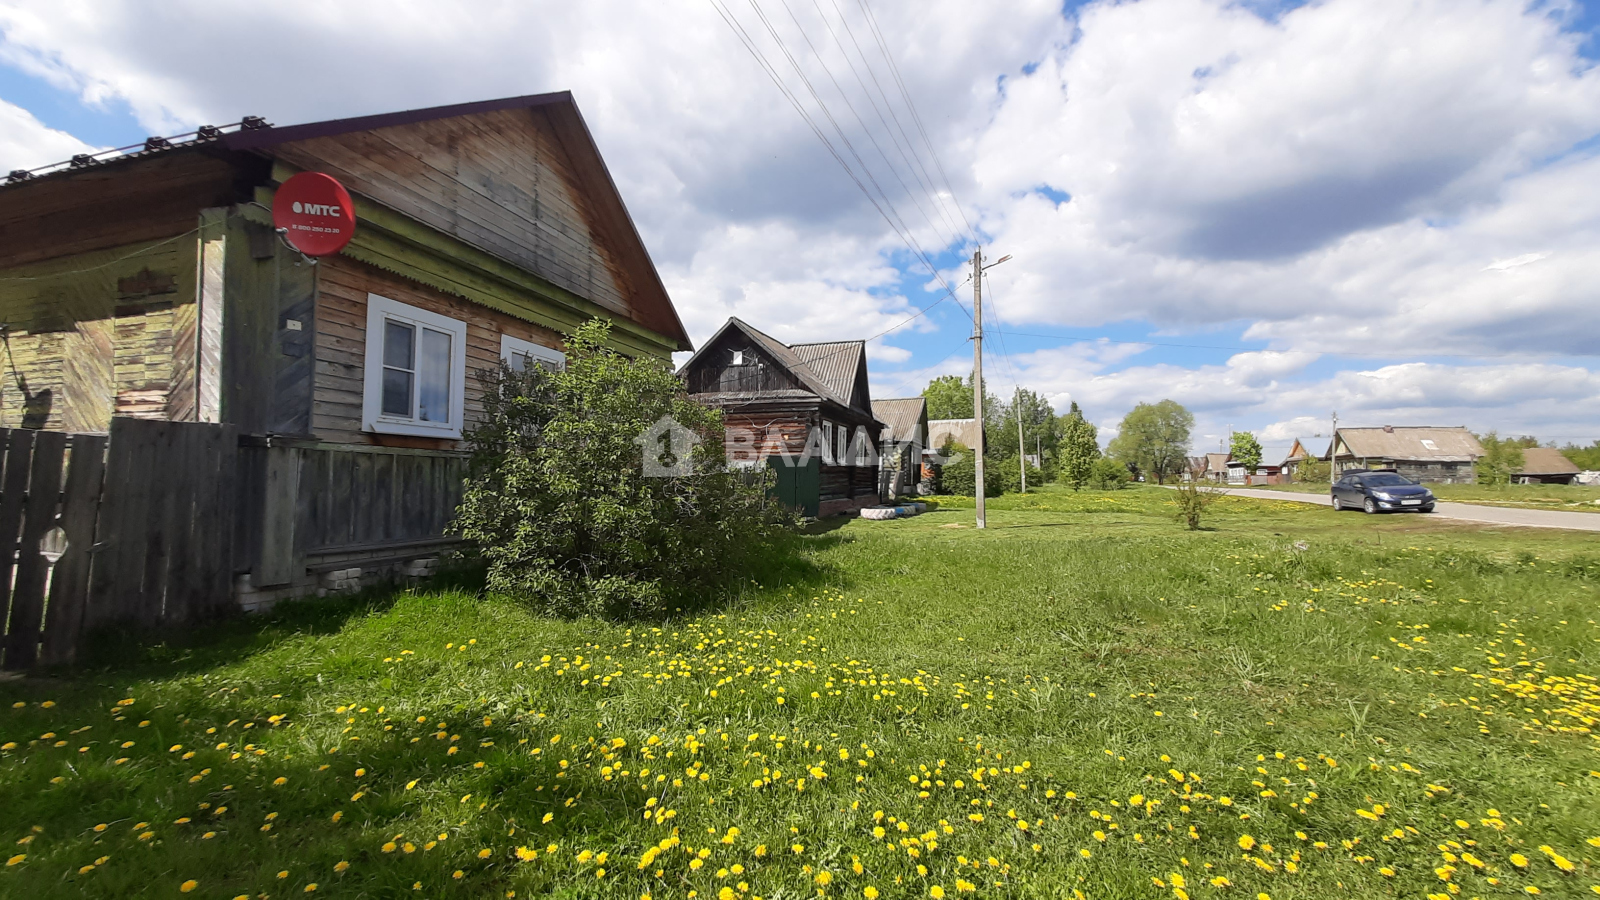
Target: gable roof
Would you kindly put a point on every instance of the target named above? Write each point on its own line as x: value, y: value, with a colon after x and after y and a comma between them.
x: 257, y: 137
x: 1546, y: 461
x: 1448, y: 444
x: 1217, y: 462
x: 829, y: 370
x: 838, y: 364
x: 1297, y: 451
x: 900, y: 417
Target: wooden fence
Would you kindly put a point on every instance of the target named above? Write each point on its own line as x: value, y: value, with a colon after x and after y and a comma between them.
x: 151, y: 524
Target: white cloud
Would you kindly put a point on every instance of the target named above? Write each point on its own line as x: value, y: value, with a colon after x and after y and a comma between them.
x: 1393, y: 177
x: 26, y: 143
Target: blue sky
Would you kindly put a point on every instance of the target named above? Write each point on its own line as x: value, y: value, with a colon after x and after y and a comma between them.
x: 1266, y: 211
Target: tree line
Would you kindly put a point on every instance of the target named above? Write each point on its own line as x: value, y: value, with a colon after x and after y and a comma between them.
x: 1152, y: 441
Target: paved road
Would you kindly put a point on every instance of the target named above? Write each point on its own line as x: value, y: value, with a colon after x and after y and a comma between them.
x: 1471, y: 512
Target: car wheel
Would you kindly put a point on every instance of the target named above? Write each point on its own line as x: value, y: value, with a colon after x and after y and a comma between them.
x: 1337, y: 506
x: 1370, y: 506
x: 1428, y: 509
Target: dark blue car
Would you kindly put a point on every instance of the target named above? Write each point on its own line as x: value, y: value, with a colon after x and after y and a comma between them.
x: 1379, y: 491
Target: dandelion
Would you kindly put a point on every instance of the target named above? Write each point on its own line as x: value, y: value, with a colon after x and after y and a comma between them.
x: 310, y: 888
x: 936, y: 892
x: 16, y: 860
x: 280, y: 781
x: 1246, y: 842
x: 485, y: 853
x: 341, y: 866
x: 870, y: 892
x: 188, y: 886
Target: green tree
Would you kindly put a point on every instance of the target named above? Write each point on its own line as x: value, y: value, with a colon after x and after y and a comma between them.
x: 1041, y: 433
x: 1311, y: 471
x: 949, y: 398
x: 1502, y: 458
x: 1587, y: 458
x: 1154, y: 437
x: 1108, y: 475
x: 559, y: 504
x: 1080, y: 447
x: 1246, y: 450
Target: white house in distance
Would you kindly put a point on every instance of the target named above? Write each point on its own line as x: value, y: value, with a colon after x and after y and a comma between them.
x: 1446, y: 455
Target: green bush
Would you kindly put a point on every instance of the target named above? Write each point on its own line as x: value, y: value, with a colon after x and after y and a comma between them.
x: 558, y: 503
x: 1010, y: 475
x: 1108, y: 475
x: 960, y: 477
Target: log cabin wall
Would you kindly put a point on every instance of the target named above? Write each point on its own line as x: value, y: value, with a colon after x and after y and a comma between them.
x: 501, y: 181
x: 341, y: 325
x: 100, y: 333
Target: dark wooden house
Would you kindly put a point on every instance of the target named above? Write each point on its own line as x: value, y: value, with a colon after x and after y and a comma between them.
x: 803, y: 409
x: 148, y: 284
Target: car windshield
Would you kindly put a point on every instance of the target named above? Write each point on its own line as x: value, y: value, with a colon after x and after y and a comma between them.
x: 1387, y: 479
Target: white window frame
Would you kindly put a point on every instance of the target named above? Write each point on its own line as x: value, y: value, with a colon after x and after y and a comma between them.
x: 380, y: 309
x: 512, y: 347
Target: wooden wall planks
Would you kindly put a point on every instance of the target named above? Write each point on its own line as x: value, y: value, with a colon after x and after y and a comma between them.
x: 501, y: 181
x: 341, y: 323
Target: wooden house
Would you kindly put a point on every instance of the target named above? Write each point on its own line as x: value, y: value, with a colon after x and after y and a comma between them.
x: 1545, y: 465
x: 905, y: 430
x: 149, y: 284
x: 1445, y: 455
x: 803, y: 409
x: 1298, y: 453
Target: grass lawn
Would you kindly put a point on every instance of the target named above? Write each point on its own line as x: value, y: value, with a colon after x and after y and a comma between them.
x: 1082, y: 700
x: 1570, y: 497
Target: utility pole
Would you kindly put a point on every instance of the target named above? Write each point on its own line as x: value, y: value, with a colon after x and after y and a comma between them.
x: 1022, y: 452
x: 977, y: 367
x: 1333, y: 451
x: 977, y: 375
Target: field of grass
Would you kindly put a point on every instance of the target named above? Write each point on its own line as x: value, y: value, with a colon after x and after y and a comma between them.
x: 1083, y: 700
x: 1570, y: 497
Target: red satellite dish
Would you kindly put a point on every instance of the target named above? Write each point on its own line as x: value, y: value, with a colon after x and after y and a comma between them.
x: 314, y: 213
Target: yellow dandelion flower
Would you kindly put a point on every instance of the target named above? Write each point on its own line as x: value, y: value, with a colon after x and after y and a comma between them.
x: 280, y: 781
x: 310, y: 888
x: 188, y: 886
x: 1518, y: 860
x: 341, y: 865
x: 824, y: 878
x: 16, y: 860
x: 1246, y: 842
x: 485, y: 853
x: 936, y: 892
x: 870, y: 892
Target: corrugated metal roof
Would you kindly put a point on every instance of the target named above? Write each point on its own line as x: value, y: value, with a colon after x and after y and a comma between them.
x: 1543, y: 461
x: 966, y: 432
x: 1433, y: 444
x: 900, y: 417
x: 836, y: 364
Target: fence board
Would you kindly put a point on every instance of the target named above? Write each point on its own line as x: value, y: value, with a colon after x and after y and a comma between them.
x: 118, y: 577
x: 27, y: 596
x: 69, y: 585
x: 19, y: 456
x: 223, y: 507
x: 165, y: 490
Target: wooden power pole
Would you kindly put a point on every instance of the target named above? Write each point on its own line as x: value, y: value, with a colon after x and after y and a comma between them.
x: 977, y: 375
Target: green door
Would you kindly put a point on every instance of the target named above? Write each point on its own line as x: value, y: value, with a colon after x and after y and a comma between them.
x: 799, y: 487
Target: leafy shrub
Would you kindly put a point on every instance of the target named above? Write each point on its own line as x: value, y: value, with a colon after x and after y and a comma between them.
x: 1192, y: 499
x: 1108, y: 475
x: 960, y: 477
x: 558, y: 503
x: 1010, y: 475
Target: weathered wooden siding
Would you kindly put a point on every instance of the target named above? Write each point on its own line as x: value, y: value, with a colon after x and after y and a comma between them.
x: 500, y: 181
x: 267, y: 363
x: 101, y: 333
x: 341, y: 321
x: 715, y: 372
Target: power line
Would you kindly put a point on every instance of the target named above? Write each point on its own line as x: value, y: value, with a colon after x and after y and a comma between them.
x: 883, y: 47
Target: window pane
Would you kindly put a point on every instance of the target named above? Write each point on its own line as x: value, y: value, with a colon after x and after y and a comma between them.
x: 396, y: 393
x: 519, y: 361
x: 397, y: 344
x: 433, y: 398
